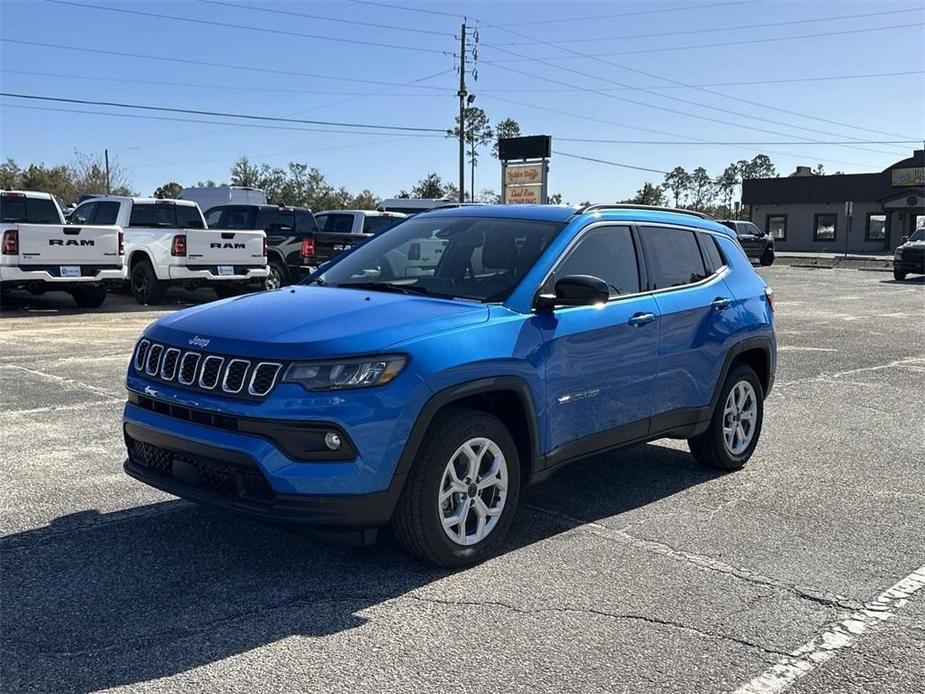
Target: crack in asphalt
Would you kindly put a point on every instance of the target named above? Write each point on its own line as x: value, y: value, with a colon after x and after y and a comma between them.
x: 702, y: 562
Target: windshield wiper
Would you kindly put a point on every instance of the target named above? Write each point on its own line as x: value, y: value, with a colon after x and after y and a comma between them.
x: 386, y: 286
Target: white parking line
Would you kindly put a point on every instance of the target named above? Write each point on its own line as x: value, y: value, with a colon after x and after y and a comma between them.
x: 807, y: 657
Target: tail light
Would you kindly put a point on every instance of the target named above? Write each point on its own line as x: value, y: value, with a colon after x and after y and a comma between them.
x: 769, y: 295
x: 264, y: 246
x: 178, y: 247
x: 11, y: 242
x: 308, y: 247
x: 414, y: 251
x: 121, y: 243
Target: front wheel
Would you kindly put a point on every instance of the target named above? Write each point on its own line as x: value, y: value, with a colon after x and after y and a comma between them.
x: 460, y: 497
x: 733, y: 433
x: 899, y: 275
x: 767, y: 258
x: 91, y: 296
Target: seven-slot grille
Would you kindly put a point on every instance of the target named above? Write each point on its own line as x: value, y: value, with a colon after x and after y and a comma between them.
x: 210, y: 372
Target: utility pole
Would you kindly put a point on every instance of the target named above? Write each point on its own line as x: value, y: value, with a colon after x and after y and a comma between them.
x: 462, y: 113
x: 108, y: 181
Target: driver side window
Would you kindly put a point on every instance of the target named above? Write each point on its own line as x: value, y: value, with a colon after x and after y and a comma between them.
x: 607, y: 252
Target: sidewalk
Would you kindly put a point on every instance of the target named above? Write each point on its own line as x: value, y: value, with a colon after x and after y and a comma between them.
x: 858, y: 261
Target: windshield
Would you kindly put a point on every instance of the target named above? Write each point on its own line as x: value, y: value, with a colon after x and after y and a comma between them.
x: 464, y: 257
x: 919, y: 235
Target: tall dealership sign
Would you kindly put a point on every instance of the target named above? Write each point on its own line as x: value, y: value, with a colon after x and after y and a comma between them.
x: 525, y: 169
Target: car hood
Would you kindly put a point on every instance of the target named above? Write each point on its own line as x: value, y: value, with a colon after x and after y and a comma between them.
x: 308, y: 322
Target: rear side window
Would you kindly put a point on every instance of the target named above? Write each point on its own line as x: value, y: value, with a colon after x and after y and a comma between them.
x: 106, y: 213
x: 606, y: 252
x: 149, y: 214
x: 713, y: 256
x: 84, y: 214
x: 672, y: 256
x: 267, y: 218
x: 28, y: 210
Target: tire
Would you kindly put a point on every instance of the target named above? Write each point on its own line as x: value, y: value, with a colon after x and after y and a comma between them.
x: 146, y: 288
x: 899, y: 275
x: 767, y: 258
x: 712, y: 448
x: 92, y: 296
x: 418, y: 524
x: 277, y: 276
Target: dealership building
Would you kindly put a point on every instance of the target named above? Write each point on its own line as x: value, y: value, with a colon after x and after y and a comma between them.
x: 806, y: 212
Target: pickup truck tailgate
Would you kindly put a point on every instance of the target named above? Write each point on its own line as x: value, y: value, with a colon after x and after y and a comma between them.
x: 56, y: 244
x: 217, y: 247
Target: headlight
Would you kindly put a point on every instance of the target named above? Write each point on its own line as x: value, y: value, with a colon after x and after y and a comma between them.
x: 345, y: 373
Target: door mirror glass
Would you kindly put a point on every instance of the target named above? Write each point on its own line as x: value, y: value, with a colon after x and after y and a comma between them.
x: 576, y: 290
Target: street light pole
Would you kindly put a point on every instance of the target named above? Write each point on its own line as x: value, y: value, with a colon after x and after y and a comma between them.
x: 462, y: 113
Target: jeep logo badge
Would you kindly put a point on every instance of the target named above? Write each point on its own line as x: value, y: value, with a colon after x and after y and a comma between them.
x: 200, y: 342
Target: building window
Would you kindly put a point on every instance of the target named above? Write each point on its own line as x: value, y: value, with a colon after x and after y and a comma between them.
x: 776, y: 226
x: 824, y: 227
x: 876, y: 227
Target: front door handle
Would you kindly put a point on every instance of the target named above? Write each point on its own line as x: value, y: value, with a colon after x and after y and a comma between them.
x: 641, y: 319
x: 721, y: 302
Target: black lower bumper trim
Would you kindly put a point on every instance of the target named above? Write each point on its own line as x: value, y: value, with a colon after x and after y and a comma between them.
x: 345, y: 511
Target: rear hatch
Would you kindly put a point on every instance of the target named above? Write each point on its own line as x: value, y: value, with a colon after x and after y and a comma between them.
x: 71, y: 246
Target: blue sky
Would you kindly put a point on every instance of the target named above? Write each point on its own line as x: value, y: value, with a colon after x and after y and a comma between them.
x: 533, y: 65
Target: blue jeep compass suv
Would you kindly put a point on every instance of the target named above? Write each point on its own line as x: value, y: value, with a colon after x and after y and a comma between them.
x: 429, y: 375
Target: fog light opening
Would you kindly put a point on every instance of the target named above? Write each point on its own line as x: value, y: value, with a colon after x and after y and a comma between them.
x: 332, y: 440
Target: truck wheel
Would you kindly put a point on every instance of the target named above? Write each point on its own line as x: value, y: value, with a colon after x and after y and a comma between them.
x: 460, y: 497
x: 733, y: 433
x: 89, y: 297
x: 276, y: 276
x: 767, y: 258
x: 899, y: 275
x: 146, y: 288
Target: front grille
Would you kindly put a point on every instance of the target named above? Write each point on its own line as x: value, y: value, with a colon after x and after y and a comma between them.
x: 216, y: 476
x: 238, y: 376
x: 913, y: 255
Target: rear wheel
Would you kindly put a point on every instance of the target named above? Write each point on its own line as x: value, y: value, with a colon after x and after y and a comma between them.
x: 91, y: 296
x: 899, y: 275
x: 146, y: 288
x: 460, y: 497
x: 733, y: 433
x: 767, y: 258
x: 276, y: 275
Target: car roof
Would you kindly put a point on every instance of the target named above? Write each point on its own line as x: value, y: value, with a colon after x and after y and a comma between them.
x: 177, y: 201
x: 564, y: 213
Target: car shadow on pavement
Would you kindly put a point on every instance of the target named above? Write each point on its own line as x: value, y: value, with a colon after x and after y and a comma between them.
x: 20, y: 303
x: 95, y: 600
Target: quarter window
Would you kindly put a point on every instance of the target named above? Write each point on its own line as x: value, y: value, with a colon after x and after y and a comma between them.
x: 713, y: 256
x: 605, y: 252
x: 824, y: 227
x: 776, y: 224
x: 876, y: 227
x: 106, y: 213
x: 672, y: 257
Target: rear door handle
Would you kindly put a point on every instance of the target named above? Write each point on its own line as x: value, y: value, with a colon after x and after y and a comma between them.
x: 721, y: 303
x: 641, y: 319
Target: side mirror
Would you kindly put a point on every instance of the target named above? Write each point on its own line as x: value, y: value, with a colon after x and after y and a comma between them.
x: 904, y: 239
x: 575, y: 290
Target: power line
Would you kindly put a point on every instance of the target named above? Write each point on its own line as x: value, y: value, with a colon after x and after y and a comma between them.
x: 631, y: 14
x: 234, y: 87
x: 736, y: 143
x: 351, y: 22
x: 223, y: 114
x: 623, y: 37
x: 214, y: 122
x: 390, y: 6
x: 830, y: 78
x: 605, y: 161
x: 205, y: 63
x: 281, y: 32
x: 723, y: 44
x: 724, y: 110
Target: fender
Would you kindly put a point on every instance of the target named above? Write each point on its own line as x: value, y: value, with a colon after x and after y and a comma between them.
x: 143, y: 251
x: 762, y: 342
x: 460, y: 392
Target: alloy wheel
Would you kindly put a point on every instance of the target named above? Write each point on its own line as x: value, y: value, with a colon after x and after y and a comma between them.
x: 740, y: 415
x: 473, y: 491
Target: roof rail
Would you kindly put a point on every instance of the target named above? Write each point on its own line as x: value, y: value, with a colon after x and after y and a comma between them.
x: 650, y: 208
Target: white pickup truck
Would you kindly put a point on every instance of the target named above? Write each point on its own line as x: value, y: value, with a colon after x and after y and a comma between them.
x: 41, y: 253
x: 167, y: 243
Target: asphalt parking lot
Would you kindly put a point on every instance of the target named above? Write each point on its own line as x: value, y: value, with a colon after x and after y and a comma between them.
x: 636, y: 571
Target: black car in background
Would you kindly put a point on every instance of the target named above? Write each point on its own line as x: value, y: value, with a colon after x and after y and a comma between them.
x: 909, y: 257
x: 295, y: 244
x: 756, y: 243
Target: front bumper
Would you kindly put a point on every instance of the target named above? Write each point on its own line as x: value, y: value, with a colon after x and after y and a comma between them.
x: 210, y: 273
x: 232, y: 480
